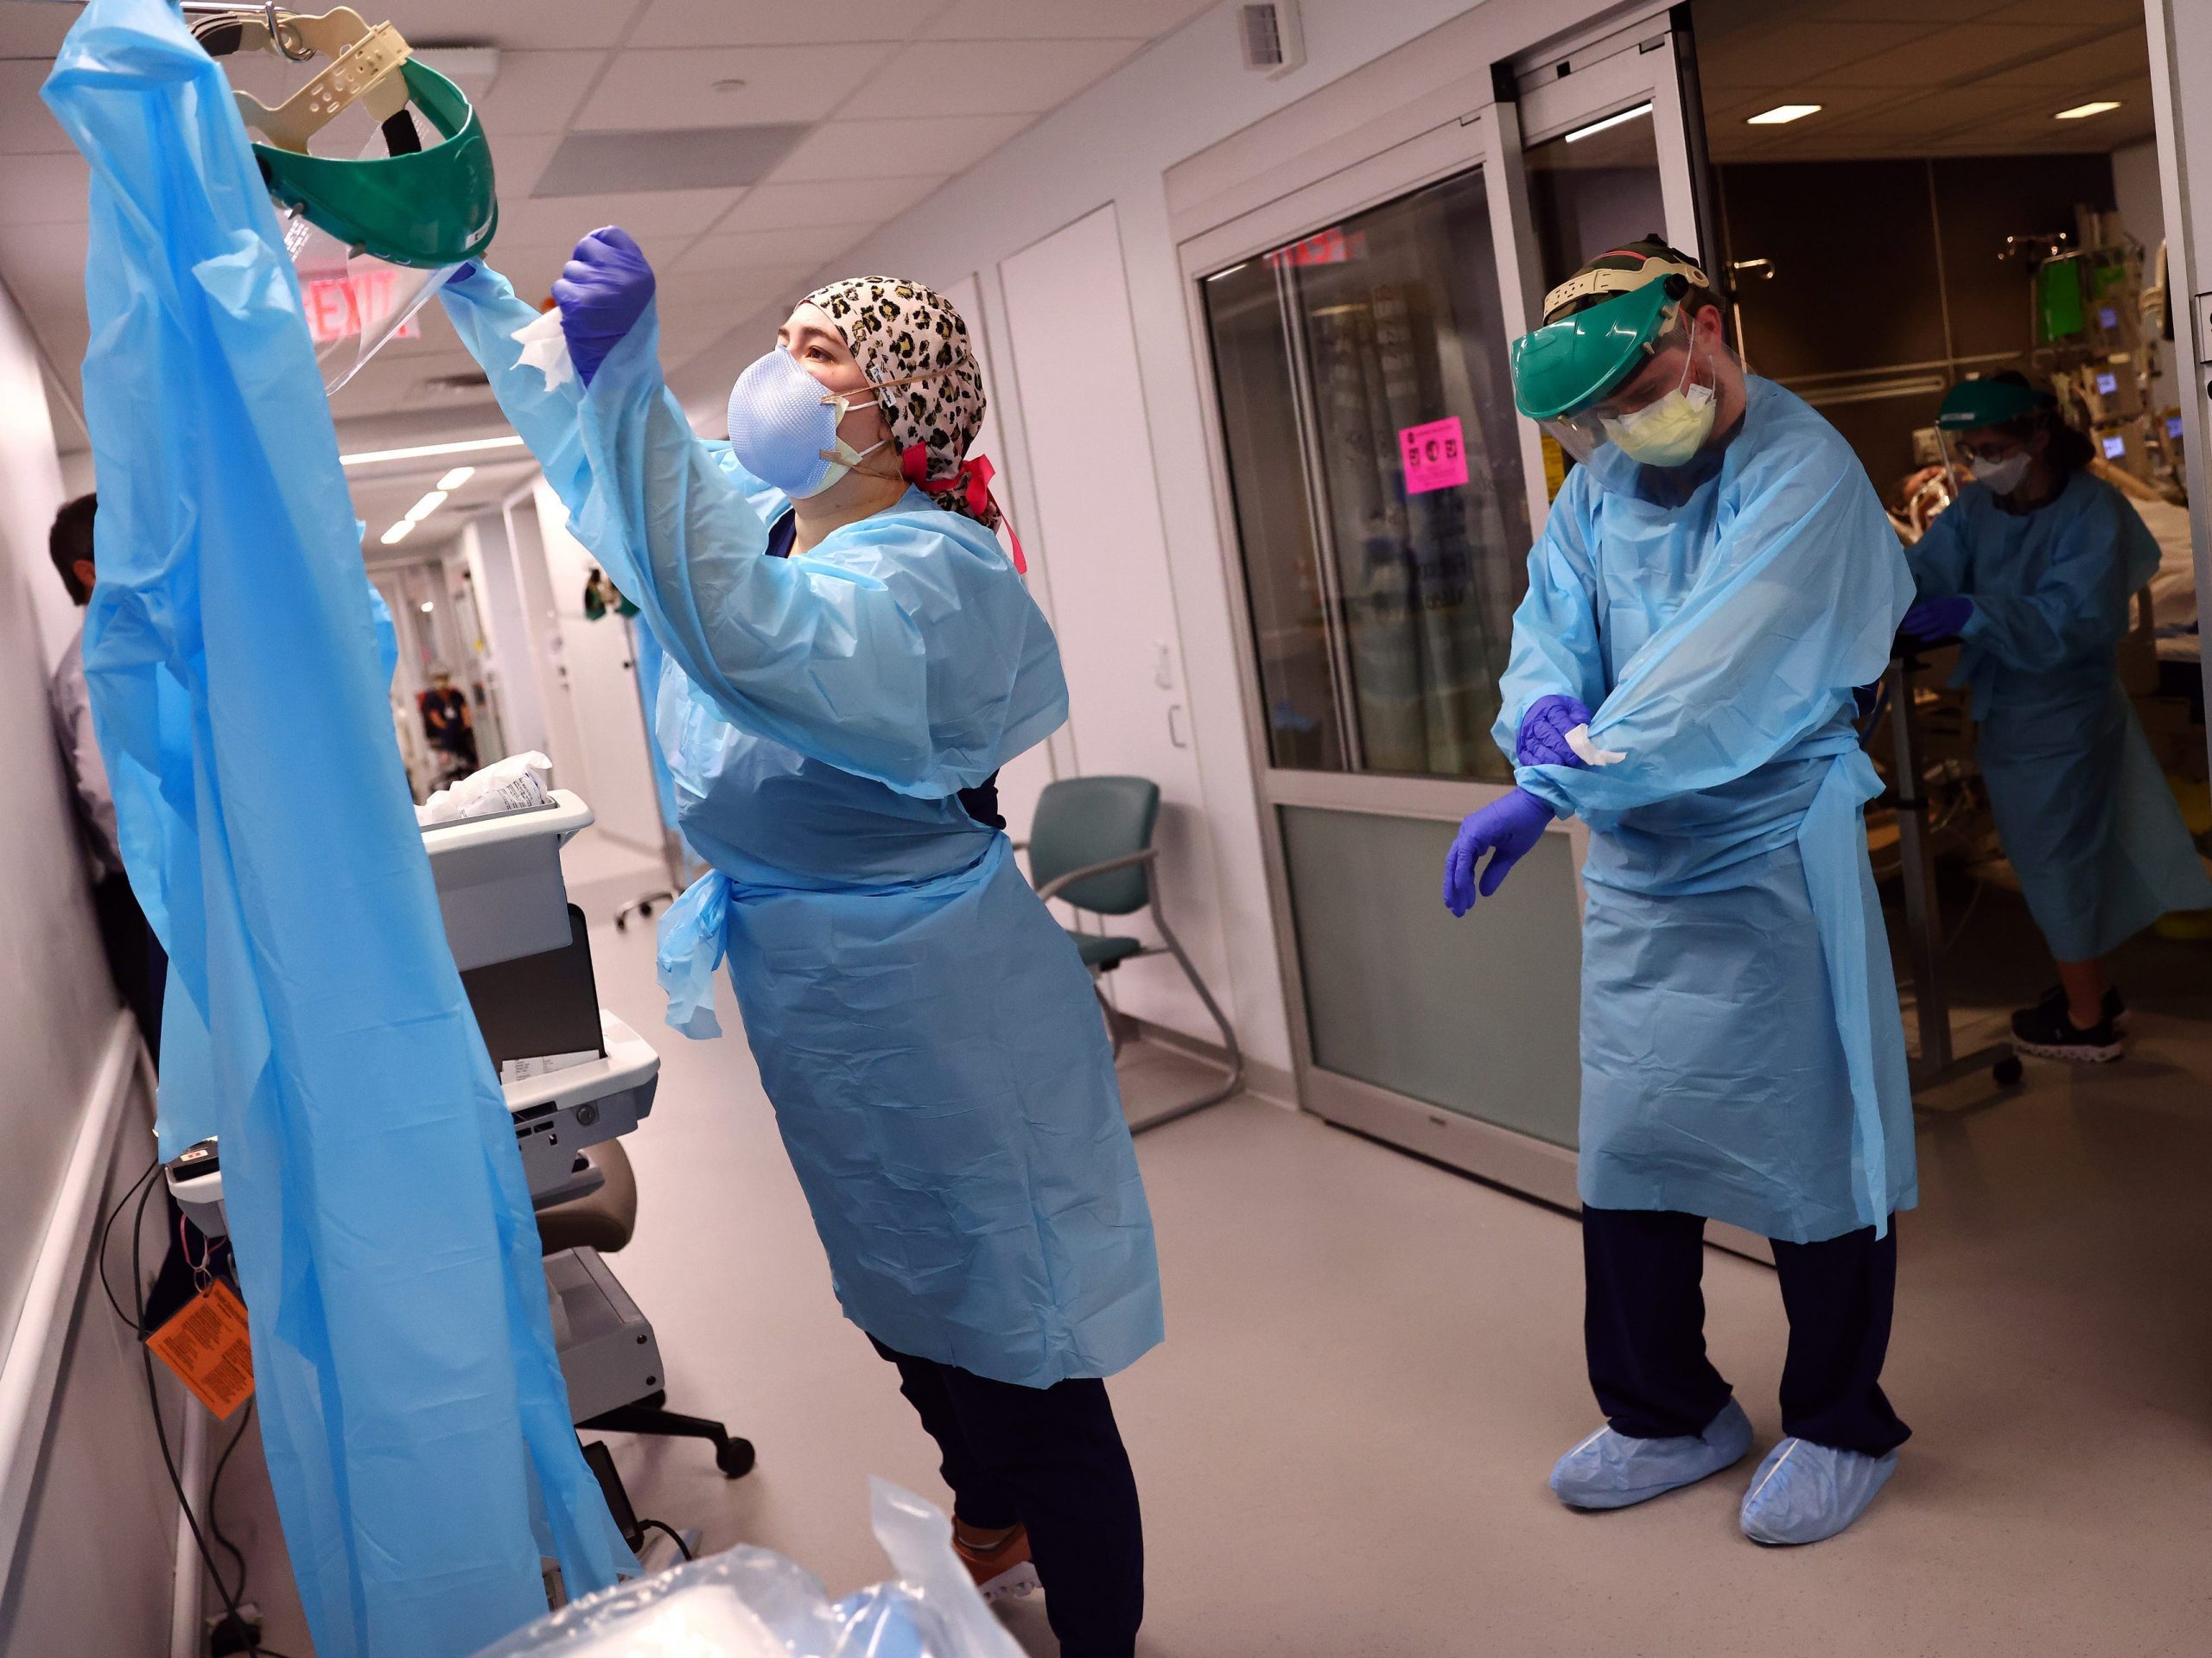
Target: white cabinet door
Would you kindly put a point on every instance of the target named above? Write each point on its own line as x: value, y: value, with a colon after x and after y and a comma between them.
x: 1073, y: 367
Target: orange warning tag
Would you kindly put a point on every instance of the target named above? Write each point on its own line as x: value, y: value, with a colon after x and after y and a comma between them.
x: 207, y: 1346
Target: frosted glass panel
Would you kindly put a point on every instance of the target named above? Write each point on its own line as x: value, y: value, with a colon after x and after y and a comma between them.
x: 1477, y: 1016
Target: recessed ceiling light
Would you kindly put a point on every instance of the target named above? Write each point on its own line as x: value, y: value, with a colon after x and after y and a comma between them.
x: 2084, y: 111
x: 1596, y: 127
x: 1782, y: 115
x: 453, y: 480
x: 397, y: 533
x: 428, y: 505
x: 428, y: 605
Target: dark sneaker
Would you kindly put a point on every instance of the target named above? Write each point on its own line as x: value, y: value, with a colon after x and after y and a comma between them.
x: 2115, y: 1009
x: 2046, y: 1032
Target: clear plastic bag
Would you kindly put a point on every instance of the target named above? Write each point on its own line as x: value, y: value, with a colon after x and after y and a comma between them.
x: 752, y: 1602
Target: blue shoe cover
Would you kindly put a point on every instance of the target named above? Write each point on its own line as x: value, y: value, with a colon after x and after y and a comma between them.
x: 1804, y: 1492
x: 1612, y: 1470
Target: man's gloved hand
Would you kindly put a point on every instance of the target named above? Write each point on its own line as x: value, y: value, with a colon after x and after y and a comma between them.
x: 1938, y: 619
x: 1506, y: 829
x: 602, y: 292
x: 1543, y: 737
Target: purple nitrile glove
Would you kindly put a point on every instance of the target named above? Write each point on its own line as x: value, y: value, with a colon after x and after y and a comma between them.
x: 1939, y: 619
x: 602, y: 291
x: 1542, y: 738
x: 1507, y: 827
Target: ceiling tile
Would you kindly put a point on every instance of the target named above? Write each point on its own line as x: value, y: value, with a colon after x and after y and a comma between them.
x: 2122, y: 56
x: 986, y: 76
x: 666, y: 158
x: 34, y: 28
x: 537, y: 91
x: 648, y: 215
x: 755, y: 249
x: 1068, y: 20
x: 27, y: 126
x: 780, y: 23
x: 1946, y: 55
x: 2070, y: 14
x: 43, y: 190
x: 932, y: 147
x: 736, y: 290
x: 541, y: 23
x: 1798, y: 51
x: 774, y: 206
x: 671, y: 87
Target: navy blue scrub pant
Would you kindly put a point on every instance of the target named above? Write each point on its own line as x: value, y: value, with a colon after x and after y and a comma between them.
x: 1644, y: 1324
x: 1051, y: 1459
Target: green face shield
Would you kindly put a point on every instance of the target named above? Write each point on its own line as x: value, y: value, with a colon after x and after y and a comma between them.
x: 424, y: 209
x: 1972, y: 403
x: 1566, y: 365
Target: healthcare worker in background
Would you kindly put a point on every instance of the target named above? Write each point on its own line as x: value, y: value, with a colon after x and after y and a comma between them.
x: 2033, y: 570
x: 851, y: 657
x: 1715, y: 577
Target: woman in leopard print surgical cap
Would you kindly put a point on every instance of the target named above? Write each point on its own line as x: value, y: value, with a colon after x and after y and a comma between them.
x: 852, y: 656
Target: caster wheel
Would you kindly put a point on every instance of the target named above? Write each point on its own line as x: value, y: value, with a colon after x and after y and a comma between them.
x: 736, y: 1459
x: 2008, y: 1071
x: 622, y: 924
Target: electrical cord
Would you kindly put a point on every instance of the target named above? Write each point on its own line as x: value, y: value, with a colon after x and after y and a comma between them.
x: 144, y: 1187
x: 669, y: 1532
x: 214, y: 1485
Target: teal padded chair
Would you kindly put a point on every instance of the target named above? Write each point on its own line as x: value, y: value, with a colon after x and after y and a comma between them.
x: 1090, y: 846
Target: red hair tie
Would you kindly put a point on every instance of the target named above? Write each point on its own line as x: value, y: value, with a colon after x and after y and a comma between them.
x: 973, y: 481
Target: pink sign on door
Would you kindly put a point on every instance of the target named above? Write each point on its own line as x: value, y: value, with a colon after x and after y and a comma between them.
x: 1435, y: 455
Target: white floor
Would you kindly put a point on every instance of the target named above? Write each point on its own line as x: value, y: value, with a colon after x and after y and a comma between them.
x: 1372, y: 1362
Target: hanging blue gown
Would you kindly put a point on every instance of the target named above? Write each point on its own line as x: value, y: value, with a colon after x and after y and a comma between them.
x: 411, y: 1402
x: 1743, y: 1057
x: 2082, y: 809
x: 925, y: 1031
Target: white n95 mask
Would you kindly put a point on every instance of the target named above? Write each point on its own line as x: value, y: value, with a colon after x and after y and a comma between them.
x: 2004, y: 476
x: 1667, y: 433
x: 783, y: 426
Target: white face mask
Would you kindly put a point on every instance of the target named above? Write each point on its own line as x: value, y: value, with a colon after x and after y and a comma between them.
x: 2004, y: 476
x: 783, y: 426
x: 1671, y: 431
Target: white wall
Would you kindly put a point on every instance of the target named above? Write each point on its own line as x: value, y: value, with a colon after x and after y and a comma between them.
x: 84, y: 1465
x: 540, y: 625
x: 602, y: 689
x: 2181, y: 68
x: 508, y: 669
x: 1114, y: 145
x: 2139, y: 194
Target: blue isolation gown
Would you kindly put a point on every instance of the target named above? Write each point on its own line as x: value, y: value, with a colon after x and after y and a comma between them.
x: 925, y: 1031
x: 411, y: 1403
x: 1742, y: 1053
x: 2085, y: 816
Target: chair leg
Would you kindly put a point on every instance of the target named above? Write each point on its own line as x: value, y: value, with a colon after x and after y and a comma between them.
x: 1113, y: 1018
x: 733, y: 1456
x: 1235, y: 1076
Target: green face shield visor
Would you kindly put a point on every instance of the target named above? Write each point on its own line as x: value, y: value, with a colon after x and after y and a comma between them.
x: 424, y: 208
x: 1566, y: 365
x: 1972, y: 403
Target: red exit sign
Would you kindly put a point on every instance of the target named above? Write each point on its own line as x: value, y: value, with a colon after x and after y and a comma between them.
x: 337, y: 305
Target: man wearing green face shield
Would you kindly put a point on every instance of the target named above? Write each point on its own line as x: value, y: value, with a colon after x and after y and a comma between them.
x: 1715, y: 577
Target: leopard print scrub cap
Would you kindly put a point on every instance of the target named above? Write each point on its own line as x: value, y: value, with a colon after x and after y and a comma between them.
x: 897, y: 329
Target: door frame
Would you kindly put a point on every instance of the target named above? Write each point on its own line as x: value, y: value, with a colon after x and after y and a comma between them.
x: 1488, y: 134
x: 1449, y: 149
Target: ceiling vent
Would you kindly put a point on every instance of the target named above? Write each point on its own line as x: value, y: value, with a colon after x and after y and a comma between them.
x: 446, y: 388
x: 1274, y: 42
x: 683, y: 158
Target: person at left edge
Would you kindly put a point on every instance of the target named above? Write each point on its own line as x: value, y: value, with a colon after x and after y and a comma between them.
x: 848, y: 650
x: 1715, y: 577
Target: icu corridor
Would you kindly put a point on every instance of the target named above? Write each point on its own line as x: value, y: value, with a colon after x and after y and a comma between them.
x: 1035, y: 829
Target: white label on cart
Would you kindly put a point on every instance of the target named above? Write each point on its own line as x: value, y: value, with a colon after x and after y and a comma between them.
x: 544, y: 1064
